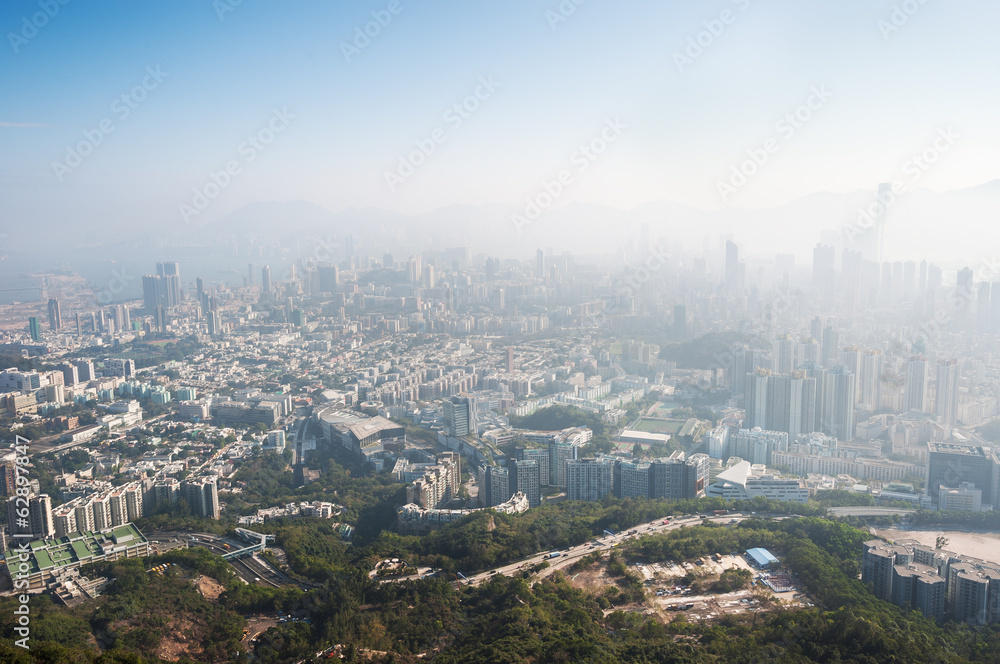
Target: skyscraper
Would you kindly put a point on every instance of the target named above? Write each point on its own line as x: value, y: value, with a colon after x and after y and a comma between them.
x: 560, y: 453
x: 755, y: 399
x: 202, y: 495
x: 496, y: 487
x: 34, y: 329
x: 150, y: 292
x: 329, y: 278
x: 732, y: 267
x: 965, y: 294
x: 170, y: 283
x: 837, y: 404
x: 460, y: 417
x: 525, y: 477
x: 32, y: 522
x: 830, y: 346
x: 589, y: 479
x: 265, y: 279
x: 869, y: 394
x: 540, y: 264
x: 915, y: 392
x: 55, y: 314
x: 946, y: 401
x: 414, y: 269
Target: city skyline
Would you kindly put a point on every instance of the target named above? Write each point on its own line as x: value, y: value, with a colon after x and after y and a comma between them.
x: 626, y: 104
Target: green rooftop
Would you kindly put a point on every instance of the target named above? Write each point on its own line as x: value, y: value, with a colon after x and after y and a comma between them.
x: 75, y: 548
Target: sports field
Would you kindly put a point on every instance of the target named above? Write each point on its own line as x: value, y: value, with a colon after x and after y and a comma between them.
x: 659, y: 426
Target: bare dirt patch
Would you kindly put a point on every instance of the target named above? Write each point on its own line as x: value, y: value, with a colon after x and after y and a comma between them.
x: 209, y: 588
x: 667, y: 596
x: 179, y: 639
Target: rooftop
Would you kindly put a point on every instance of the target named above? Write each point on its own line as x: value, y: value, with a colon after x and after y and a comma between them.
x: 51, y: 554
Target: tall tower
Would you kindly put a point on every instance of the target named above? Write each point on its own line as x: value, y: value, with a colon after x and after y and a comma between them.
x: 55, y: 314
x: 870, y: 380
x: 732, y: 267
x: 915, y: 393
x: 170, y: 283
x: 946, y: 401
x: 265, y: 279
x: 34, y: 329
x: 884, y: 197
x: 150, y: 292
x: 415, y: 269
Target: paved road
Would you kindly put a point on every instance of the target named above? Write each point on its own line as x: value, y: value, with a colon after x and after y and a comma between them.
x: 606, y: 543
x: 869, y: 511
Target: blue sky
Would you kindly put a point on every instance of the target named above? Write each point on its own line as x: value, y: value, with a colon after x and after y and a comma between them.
x: 558, y: 84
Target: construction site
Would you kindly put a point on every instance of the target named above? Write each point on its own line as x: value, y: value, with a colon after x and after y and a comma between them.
x: 703, y: 588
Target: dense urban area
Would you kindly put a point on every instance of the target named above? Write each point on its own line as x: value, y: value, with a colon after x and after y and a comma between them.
x: 657, y: 455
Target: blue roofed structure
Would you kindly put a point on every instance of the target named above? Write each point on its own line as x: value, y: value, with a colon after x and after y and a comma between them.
x: 762, y: 558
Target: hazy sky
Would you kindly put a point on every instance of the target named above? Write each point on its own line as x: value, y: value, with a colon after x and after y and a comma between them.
x: 225, y: 67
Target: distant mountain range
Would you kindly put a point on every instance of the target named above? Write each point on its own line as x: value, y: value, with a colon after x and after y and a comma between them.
x: 960, y: 224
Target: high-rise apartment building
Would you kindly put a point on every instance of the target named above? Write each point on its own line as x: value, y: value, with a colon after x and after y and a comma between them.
x: 525, y: 476
x: 496, y: 487
x: 915, y: 392
x: 460, y: 417
x: 589, y: 479
x: 946, y: 395
x: 202, y: 495
x: 55, y: 314
x: 265, y: 279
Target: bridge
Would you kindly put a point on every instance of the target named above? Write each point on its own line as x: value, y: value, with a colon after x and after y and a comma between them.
x: 258, y: 543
